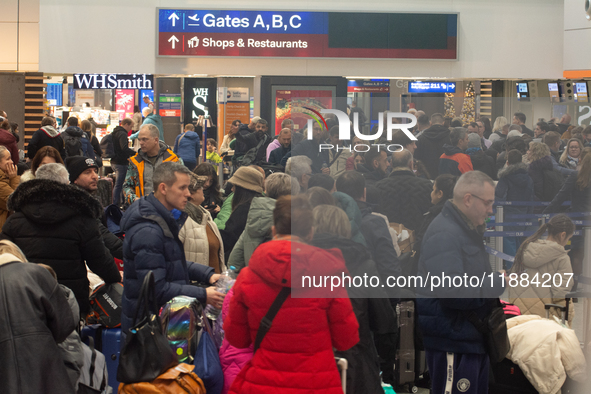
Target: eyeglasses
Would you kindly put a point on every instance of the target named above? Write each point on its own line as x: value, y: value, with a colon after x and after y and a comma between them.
x: 488, y: 203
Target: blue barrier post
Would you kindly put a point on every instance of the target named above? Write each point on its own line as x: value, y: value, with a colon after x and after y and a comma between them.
x: 499, y: 218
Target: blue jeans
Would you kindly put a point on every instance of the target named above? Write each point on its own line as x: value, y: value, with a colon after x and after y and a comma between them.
x: 121, y: 171
x: 190, y: 164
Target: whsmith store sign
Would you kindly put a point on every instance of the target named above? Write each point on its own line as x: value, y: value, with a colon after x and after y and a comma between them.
x: 189, y: 33
x: 114, y: 81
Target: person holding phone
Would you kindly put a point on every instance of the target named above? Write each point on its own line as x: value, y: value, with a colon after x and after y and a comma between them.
x: 9, y: 180
x: 211, y: 189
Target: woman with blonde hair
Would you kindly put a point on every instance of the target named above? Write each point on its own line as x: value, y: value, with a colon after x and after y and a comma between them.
x: 497, y: 129
x: 9, y: 180
x: 577, y: 190
x: 332, y: 229
x: 8, y: 248
x: 572, y: 152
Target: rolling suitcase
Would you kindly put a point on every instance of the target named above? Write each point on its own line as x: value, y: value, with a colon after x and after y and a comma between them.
x: 410, y: 363
x: 342, y: 364
x: 108, y: 342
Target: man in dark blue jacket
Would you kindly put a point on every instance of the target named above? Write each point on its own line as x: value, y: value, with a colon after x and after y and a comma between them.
x: 152, y: 244
x: 453, y: 246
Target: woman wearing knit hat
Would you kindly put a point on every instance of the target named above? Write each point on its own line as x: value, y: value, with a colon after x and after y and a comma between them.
x: 247, y: 184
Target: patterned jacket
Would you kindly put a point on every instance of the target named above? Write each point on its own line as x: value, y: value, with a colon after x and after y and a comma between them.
x: 138, y: 180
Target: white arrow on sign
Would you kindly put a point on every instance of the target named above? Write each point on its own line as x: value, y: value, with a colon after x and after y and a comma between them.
x: 174, y: 40
x: 452, y: 86
x: 174, y: 17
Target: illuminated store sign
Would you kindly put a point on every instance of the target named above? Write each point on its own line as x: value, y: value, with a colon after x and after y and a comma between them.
x: 113, y: 81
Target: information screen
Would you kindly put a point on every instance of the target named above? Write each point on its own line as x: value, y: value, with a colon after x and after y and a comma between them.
x: 582, y: 95
x: 554, y: 93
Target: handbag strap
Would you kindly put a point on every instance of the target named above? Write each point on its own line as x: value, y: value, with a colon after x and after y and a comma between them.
x: 146, y: 292
x: 481, y: 325
x: 266, y: 322
x: 92, y: 361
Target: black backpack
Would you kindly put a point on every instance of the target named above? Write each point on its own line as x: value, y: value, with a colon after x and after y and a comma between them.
x: 105, y: 305
x: 107, y: 146
x: 72, y: 145
x: 553, y: 181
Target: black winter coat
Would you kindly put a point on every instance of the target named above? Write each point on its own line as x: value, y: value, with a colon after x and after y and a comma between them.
x: 251, y: 141
x: 536, y: 172
x: 234, y: 227
x: 46, y: 136
x: 430, y: 147
x: 404, y: 198
x: 515, y: 184
x: 311, y: 149
x: 277, y: 154
x: 374, y: 315
x: 482, y: 162
x: 56, y: 224
x: 580, y: 199
x: 34, y: 316
x: 379, y: 242
x: 121, y: 146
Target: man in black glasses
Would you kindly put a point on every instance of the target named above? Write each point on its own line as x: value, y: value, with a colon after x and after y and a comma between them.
x: 453, y: 247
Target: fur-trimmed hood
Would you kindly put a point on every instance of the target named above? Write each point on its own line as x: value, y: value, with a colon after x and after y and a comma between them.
x: 513, y: 169
x: 45, y: 201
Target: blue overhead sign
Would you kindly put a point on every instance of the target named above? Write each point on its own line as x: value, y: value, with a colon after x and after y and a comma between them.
x: 432, y: 87
x: 221, y: 21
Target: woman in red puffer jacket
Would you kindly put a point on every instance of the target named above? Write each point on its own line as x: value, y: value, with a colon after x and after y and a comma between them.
x: 296, y: 355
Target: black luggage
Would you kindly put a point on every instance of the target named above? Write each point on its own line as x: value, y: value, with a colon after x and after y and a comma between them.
x: 105, y: 191
x: 411, y: 365
x: 507, y: 378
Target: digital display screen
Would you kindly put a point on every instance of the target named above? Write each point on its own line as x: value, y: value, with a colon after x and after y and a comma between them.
x: 581, y: 95
x: 553, y: 87
x: 522, y: 87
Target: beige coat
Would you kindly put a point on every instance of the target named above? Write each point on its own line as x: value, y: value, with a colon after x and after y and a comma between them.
x: 546, y: 352
x: 193, y: 235
x: 7, y: 186
x: 544, y: 259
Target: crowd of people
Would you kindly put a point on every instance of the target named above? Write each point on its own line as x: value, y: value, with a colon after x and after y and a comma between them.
x: 419, y: 210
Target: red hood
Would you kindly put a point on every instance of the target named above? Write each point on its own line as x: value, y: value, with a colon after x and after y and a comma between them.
x: 277, y: 262
x: 6, y: 137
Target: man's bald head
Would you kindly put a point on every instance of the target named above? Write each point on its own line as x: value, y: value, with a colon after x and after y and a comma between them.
x: 284, y: 137
x: 474, y: 195
x: 402, y: 159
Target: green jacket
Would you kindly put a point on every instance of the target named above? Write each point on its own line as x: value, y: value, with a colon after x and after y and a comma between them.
x: 257, y: 231
x: 224, y: 213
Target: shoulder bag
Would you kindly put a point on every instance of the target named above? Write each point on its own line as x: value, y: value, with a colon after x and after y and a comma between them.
x: 146, y: 353
x: 494, y: 330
